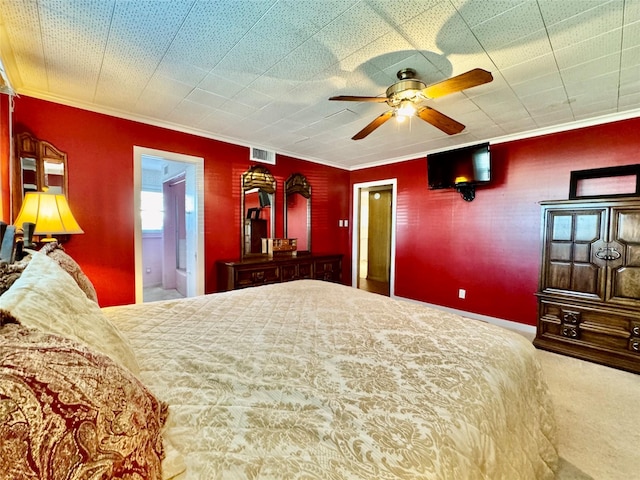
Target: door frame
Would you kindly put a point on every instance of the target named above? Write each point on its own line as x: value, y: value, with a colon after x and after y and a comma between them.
x: 355, y: 224
x: 198, y: 211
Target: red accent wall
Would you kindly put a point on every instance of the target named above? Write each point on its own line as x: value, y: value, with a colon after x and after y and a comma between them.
x: 5, y: 152
x: 100, y: 160
x: 491, y: 246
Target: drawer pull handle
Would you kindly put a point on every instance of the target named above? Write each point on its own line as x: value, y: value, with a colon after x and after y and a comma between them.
x: 571, y: 317
x: 608, y: 253
x: 636, y: 330
x: 635, y: 346
x: 570, y: 332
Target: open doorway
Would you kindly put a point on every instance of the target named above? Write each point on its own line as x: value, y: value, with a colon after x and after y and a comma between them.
x: 373, y: 247
x: 169, y: 225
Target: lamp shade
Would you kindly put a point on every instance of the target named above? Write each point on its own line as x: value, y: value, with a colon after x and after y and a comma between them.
x: 49, y: 212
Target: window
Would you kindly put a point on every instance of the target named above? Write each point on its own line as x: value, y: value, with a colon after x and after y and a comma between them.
x: 151, y: 211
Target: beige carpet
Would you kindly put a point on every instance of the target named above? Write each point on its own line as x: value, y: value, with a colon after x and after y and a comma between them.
x: 598, y: 416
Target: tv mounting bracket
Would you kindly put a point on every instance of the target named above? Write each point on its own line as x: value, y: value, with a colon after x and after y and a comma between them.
x: 466, y: 190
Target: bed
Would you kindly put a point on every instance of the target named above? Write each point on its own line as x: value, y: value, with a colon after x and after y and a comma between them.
x: 304, y: 379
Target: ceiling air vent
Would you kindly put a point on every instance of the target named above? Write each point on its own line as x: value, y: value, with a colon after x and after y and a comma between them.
x: 264, y: 156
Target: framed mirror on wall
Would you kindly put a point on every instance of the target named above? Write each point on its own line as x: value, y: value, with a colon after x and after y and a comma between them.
x: 38, y: 166
x: 297, y: 211
x: 257, y: 209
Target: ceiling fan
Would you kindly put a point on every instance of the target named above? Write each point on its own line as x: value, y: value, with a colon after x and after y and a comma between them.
x: 405, y: 95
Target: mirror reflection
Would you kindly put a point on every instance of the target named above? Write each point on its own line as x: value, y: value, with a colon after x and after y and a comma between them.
x: 258, y: 222
x: 38, y: 166
x: 297, y: 210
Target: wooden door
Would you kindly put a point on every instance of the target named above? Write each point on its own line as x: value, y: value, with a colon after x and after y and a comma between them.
x: 569, y: 265
x: 623, y: 251
x: 379, y: 244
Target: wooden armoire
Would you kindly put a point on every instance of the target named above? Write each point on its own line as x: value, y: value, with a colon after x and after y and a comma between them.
x: 589, y: 293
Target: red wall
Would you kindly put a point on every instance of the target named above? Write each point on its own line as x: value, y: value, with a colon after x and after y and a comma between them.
x: 491, y: 246
x: 100, y: 159
x: 5, y: 144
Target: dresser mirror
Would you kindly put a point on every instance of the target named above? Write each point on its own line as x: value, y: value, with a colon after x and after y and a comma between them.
x: 297, y: 211
x: 258, y: 217
x: 38, y: 166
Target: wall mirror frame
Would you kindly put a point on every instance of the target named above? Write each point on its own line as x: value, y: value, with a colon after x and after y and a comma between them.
x: 257, y: 206
x: 38, y: 166
x: 297, y: 211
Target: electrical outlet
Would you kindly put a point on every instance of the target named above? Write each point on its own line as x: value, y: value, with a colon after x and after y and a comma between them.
x: 346, y: 223
x: 462, y: 293
x: 340, y: 223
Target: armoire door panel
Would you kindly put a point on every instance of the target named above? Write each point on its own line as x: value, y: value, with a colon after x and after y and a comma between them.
x: 633, y: 256
x: 559, y: 276
x: 628, y: 223
x: 585, y: 279
x: 561, y: 227
x: 571, y: 264
x: 587, y: 227
x: 560, y: 252
x: 582, y: 252
x: 625, y: 270
x: 625, y: 285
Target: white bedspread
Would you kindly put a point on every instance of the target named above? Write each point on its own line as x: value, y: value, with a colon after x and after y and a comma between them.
x: 315, y: 380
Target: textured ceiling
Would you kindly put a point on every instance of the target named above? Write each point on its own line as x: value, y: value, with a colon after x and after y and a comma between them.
x: 260, y: 72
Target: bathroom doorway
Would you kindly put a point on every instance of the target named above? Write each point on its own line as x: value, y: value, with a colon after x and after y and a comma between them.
x: 373, y: 244
x: 169, y: 228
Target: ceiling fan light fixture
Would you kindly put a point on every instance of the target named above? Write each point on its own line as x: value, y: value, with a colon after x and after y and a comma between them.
x: 404, y: 98
x: 405, y: 110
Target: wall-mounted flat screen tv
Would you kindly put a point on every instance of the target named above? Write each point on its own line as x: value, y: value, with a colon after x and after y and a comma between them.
x: 462, y: 166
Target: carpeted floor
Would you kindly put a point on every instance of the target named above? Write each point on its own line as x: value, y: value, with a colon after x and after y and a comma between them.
x: 598, y: 416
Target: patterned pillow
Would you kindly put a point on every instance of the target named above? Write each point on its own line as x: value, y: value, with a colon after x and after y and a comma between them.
x: 54, y: 250
x: 46, y: 298
x: 10, y: 272
x: 67, y: 412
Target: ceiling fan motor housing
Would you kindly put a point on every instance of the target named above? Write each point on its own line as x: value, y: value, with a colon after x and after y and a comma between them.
x: 404, y: 90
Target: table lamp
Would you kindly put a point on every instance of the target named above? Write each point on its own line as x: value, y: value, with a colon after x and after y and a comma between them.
x: 50, y: 213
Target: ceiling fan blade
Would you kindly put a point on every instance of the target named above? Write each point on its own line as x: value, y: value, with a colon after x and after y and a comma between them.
x: 440, y: 120
x: 373, y: 125
x: 351, y: 98
x: 472, y: 78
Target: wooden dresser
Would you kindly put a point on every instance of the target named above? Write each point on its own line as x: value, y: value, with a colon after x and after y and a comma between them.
x: 262, y: 269
x: 589, y: 295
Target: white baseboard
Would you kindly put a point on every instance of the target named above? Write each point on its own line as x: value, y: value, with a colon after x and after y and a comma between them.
x: 520, y: 327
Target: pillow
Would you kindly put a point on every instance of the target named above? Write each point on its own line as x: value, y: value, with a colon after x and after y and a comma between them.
x: 46, y: 297
x: 10, y: 272
x: 67, y: 412
x: 54, y: 250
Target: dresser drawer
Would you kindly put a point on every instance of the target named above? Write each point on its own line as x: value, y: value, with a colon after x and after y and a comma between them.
x: 328, y: 269
x: 263, y: 269
x: 249, y: 277
x: 296, y: 271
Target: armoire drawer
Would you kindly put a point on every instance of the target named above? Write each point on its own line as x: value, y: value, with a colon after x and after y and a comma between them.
x: 603, y: 335
x: 592, y: 325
